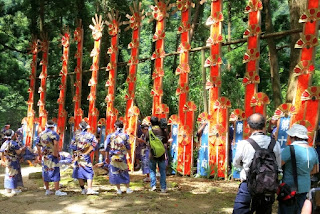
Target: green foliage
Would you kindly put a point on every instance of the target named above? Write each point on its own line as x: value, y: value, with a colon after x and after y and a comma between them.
x: 12, y: 107
x: 19, y: 19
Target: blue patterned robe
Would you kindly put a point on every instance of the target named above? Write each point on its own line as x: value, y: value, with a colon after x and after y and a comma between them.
x: 117, y: 145
x: 11, y: 178
x: 50, y: 163
x: 83, y: 167
x: 145, y: 156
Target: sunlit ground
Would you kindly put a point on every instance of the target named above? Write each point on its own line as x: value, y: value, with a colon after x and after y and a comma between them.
x: 185, y: 195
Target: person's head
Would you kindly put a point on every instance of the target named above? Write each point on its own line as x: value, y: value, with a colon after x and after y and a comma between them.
x: 298, y: 132
x: 163, y: 123
x: 256, y: 121
x: 154, y: 121
x: 118, y: 124
x: 84, y: 125
x: 8, y: 133
x: 7, y: 126
x: 50, y: 124
x: 144, y: 128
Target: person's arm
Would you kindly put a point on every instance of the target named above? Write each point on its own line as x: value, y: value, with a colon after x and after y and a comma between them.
x: 55, y: 148
x: 2, y: 159
x: 88, y: 150
x: 107, y: 149
x: 277, y: 152
x: 128, y: 147
x: 19, y: 151
x: 307, y: 207
x: 285, y: 155
x: 237, y: 161
x: 315, y: 169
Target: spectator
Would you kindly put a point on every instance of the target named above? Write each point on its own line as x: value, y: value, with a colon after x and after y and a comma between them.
x: 307, y: 163
x: 243, y: 159
x: 2, y: 133
x: 161, y: 161
x: 145, y: 152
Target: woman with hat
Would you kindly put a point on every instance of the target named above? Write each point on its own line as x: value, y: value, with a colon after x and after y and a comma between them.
x: 10, y: 151
x: 306, y: 162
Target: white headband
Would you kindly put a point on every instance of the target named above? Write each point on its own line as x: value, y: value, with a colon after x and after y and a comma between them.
x: 50, y: 125
x: 12, y: 133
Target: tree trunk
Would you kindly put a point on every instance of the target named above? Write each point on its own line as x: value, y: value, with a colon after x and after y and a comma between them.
x: 175, y: 58
x: 153, y: 49
x: 273, y: 58
x: 41, y: 16
x: 229, y: 32
x: 296, y: 8
x: 199, y: 8
x: 204, y: 81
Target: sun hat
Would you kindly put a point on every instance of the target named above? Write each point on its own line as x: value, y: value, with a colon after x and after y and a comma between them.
x: 299, y: 131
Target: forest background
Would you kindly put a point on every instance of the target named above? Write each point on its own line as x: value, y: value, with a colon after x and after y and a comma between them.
x: 20, y: 19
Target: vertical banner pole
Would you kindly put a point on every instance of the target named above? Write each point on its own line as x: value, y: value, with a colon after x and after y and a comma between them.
x: 62, y: 114
x: 78, y: 114
x: 306, y: 99
x: 93, y: 114
x: 113, y: 24
x: 132, y: 112
x: 44, y: 47
x: 252, y: 56
x: 30, y: 114
x: 159, y: 13
x: 186, y: 108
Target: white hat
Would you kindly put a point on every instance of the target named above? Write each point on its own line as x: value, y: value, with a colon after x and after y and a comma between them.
x: 299, y: 131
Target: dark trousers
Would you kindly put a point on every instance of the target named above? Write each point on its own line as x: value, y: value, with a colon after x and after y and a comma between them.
x: 244, y: 204
x: 294, y: 208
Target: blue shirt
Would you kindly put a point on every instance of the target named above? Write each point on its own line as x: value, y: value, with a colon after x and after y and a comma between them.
x: 306, y: 158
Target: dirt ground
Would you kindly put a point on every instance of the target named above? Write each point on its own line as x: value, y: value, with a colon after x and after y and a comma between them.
x: 185, y: 195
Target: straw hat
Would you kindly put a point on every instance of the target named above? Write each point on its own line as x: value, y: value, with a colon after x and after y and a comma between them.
x: 299, y: 131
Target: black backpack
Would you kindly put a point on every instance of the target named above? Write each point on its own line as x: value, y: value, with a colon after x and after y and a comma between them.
x: 262, y: 178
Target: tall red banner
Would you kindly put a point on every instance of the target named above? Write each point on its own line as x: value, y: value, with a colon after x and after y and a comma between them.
x: 44, y: 47
x: 62, y: 114
x: 113, y: 29
x: 132, y: 111
x: 93, y: 114
x: 159, y: 13
x: 306, y: 99
x: 30, y: 115
x: 186, y: 108
x: 78, y: 114
x: 251, y: 57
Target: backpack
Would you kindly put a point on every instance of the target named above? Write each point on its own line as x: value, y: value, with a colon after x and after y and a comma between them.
x: 262, y: 177
x: 156, y: 145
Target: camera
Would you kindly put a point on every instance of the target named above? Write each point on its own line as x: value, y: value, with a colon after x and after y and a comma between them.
x: 314, y: 197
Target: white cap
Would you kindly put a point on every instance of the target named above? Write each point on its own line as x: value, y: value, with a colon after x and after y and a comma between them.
x: 299, y: 131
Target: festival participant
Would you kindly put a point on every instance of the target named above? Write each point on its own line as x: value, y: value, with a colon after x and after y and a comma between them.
x: 82, y: 145
x: 145, y: 152
x: 138, y: 150
x: 160, y: 161
x: 242, y: 160
x: 2, y: 133
x: 306, y: 162
x: 10, y: 151
x: 48, y: 148
x: 117, y: 147
x: 18, y: 136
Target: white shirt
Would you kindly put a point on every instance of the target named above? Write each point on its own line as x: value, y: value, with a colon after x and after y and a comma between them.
x: 245, y: 152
